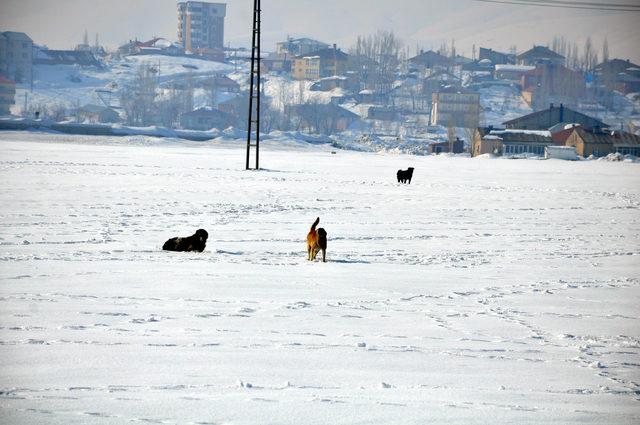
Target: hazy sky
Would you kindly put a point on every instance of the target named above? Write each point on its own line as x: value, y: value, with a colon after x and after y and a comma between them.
x: 425, y: 23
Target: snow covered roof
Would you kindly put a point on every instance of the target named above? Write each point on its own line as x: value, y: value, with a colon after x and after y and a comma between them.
x: 515, y: 68
x: 543, y: 133
x: 328, y: 54
x: 304, y: 40
x: 333, y: 78
x: 560, y: 148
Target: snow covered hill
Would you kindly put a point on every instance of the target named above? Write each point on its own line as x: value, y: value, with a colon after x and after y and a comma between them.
x: 488, y: 291
x: 74, y: 86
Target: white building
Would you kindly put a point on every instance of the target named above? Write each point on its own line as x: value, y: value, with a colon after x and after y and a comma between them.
x: 201, y: 25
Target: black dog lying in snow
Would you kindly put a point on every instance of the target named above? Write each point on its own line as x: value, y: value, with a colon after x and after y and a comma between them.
x: 193, y: 243
x: 405, y: 176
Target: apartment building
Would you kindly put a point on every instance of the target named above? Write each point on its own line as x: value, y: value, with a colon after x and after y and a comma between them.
x: 320, y: 64
x: 201, y: 25
x: 16, y: 56
x: 456, y: 107
x: 306, y: 68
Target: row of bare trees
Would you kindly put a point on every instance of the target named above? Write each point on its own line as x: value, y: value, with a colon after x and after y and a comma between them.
x: 585, y: 59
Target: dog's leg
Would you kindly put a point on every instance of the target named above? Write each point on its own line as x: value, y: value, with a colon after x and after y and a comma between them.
x: 324, y: 255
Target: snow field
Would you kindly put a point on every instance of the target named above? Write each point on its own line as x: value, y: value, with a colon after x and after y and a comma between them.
x: 488, y: 291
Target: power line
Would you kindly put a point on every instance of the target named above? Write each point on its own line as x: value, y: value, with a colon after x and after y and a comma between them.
x: 558, y: 5
x: 582, y: 3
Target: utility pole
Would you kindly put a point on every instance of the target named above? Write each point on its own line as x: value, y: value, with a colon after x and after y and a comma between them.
x: 254, y: 91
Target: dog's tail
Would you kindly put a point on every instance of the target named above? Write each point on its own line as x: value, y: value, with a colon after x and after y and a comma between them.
x: 315, y: 224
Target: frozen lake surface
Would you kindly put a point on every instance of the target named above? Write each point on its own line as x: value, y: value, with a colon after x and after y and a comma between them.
x: 488, y: 291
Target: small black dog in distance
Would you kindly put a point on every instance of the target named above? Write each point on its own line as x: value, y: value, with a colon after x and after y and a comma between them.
x: 195, y: 243
x: 405, y: 176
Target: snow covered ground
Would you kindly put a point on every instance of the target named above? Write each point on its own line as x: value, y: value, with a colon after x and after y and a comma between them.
x: 488, y: 291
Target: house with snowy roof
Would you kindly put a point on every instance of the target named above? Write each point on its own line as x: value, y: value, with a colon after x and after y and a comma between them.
x: 438, y: 81
x: 540, y: 55
x: 600, y: 142
x: 510, y: 142
x: 96, y: 114
x: 299, y: 46
x: 204, y: 119
x: 620, y: 75
x: 456, y: 147
x: 497, y: 58
x: 221, y: 83
x: 321, y: 118
x: 431, y: 60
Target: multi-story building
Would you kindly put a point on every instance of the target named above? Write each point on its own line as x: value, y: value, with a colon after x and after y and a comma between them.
x: 456, y: 107
x: 3, y: 53
x: 16, y: 56
x: 201, y: 25
x: 7, y: 95
x: 306, y: 68
x: 320, y: 64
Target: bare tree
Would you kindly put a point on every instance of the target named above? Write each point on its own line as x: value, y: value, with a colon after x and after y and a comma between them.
x: 376, y: 58
x: 589, y: 56
x: 451, y: 133
x: 444, y: 49
x: 138, y: 98
x: 605, y: 50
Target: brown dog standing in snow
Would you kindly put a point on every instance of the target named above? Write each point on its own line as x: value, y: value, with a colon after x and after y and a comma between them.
x: 316, y: 241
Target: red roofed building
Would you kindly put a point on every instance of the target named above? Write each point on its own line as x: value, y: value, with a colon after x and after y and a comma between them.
x: 560, y: 137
